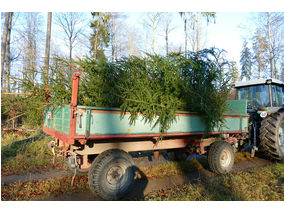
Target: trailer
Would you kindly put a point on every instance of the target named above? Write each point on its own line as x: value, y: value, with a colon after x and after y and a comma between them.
x: 98, y: 140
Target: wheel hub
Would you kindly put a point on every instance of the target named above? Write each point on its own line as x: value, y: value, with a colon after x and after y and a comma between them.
x: 281, y: 136
x: 115, y: 174
x: 225, y: 158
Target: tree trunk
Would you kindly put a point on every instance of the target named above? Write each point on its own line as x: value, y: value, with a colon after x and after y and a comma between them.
x: 70, y: 58
x: 3, y: 46
x: 275, y: 66
x: 198, y: 33
x: 34, y: 49
x: 167, y: 43
x: 96, y: 38
x: 259, y: 70
x: 186, y: 34
x: 153, y: 31
x: 47, y: 47
x: 113, y: 41
x: 8, y: 57
x: 30, y: 52
x: 270, y: 45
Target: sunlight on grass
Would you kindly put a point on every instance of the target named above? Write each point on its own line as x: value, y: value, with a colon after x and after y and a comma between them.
x: 26, y: 154
x: 258, y: 184
x: 43, y: 189
x: 173, y: 168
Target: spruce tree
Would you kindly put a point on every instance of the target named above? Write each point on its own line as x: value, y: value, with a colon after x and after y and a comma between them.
x: 100, y: 37
x: 246, y: 62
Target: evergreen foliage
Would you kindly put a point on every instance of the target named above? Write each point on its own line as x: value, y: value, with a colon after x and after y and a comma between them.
x: 154, y: 86
x: 260, y: 53
x: 160, y: 85
x: 101, y: 34
x: 246, y: 62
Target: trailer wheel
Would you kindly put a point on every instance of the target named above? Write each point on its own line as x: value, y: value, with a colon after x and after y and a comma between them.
x: 111, y: 174
x: 272, y: 136
x: 221, y: 157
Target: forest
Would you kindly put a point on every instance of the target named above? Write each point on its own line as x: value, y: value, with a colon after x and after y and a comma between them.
x: 122, y: 62
x: 154, y: 65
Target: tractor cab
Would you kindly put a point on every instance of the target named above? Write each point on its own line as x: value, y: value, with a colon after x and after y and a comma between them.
x: 261, y: 94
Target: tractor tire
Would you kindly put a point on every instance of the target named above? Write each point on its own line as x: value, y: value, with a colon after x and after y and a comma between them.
x: 221, y: 157
x: 272, y: 136
x: 111, y: 174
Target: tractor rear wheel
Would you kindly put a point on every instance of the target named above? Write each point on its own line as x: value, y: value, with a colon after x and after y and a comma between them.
x: 272, y: 136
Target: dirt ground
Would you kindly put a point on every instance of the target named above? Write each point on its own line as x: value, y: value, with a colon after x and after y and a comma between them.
x: 140, y: 188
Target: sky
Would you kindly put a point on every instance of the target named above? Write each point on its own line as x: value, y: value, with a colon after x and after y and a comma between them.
x: 227, y: 33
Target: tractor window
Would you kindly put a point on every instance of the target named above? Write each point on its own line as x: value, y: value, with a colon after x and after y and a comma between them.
x: 257, y: 95
x: 277, y: 97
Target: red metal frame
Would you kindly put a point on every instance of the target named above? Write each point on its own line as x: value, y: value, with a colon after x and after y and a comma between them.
x: 73, y: 104
x: 122, y: 136
x: 65, y: 138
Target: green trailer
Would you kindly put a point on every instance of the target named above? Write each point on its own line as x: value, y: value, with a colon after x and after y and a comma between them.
x: 98, y: 140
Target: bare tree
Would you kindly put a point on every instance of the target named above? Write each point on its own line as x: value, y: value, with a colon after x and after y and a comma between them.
x: 3, y: 46
x: 132, y: 44
x: 8, y: 54
x: 70, y: 23
x: 185, y: 16
x: 167, y: 27
x: 270, y: 45
x: 118, y: 34
x: 30, y: 35
x: 47, y: 47
x: 194, y: 20
x: 113, y: 35
x: 270, y: 25
x: 151, y: 22
x: 195, y: 31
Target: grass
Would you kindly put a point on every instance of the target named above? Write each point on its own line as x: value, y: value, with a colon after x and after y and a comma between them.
x: 23, y: 154
x: 173, y: 168
x: 258, y: 184
x: 242, y: 156
x: 184, y: 167
x: 43, y: 189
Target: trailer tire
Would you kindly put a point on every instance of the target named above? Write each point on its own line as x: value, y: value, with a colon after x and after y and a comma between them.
x: 221, y: 157
x: 272, y: 136
x: 111, y: 174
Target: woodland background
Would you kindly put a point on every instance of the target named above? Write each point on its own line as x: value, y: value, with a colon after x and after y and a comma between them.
x: 34, y: 55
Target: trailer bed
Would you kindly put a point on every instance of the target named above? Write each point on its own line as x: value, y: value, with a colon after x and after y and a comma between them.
x: 94, y: 123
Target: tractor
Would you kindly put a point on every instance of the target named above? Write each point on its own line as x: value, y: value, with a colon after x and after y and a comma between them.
x: 265, y: 106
